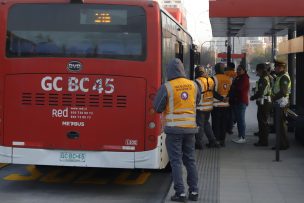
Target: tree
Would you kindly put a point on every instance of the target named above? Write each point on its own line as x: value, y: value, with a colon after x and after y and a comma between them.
x: 258, y: 54
x: 207, y: 56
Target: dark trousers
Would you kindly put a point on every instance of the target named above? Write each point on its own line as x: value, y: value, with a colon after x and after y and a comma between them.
x: 181, y: 150
x: 231, y: 119
x: 219, y: 122
x: 263, y: 115
x: 202, y: 120
x: 283, y: 128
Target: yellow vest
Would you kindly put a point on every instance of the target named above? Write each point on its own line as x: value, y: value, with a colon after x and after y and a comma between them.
x: 276, y: 86
x: 267, y: 90
x: 206, y: 102
x: 181, y: 103
x: 222, y: 87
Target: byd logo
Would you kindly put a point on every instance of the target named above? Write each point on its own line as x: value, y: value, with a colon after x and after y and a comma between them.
x: 74, y: 66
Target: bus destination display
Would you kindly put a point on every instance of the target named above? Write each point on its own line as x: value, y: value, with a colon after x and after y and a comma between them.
x: 105, y: 17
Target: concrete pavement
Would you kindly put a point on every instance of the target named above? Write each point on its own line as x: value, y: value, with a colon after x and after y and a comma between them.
x: 243, y: 173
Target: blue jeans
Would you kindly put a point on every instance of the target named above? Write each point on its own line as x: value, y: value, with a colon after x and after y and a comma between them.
x: 239, y: 110
x: 181, y: 149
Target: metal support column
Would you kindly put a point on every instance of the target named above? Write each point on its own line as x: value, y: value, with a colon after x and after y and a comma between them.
x: 274, y: 46
x: 292, y: 68
x: 229, y: 50
x: 300, y: 84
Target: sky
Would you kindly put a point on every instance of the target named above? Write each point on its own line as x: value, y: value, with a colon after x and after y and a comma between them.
x: 197, y: 12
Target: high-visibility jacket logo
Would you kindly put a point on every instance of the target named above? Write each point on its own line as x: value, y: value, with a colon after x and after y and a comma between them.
x: 184, y: 96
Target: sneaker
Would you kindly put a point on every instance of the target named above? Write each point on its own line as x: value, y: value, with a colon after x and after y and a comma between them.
x: 240, y: 140
x: 179, y: 197
x: 193, y: 196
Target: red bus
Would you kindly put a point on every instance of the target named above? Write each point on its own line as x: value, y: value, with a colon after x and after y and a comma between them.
x: 78, y: 78
x: 178, y: 15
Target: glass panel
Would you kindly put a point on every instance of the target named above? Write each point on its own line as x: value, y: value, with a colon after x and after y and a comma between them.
x: 99, y: 31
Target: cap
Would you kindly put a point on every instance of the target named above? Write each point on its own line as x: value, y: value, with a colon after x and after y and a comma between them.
x: 279, y: 63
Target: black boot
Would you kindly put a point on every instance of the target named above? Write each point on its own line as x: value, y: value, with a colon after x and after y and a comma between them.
x: 178, y: 197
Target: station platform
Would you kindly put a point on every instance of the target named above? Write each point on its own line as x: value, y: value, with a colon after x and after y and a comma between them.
x: 243, y: 173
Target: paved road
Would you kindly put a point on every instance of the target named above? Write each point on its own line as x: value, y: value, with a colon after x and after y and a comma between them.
x: 30, y: 184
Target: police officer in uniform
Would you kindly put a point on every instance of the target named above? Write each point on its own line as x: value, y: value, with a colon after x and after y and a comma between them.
x: 263, y: 99
x: 220, y: 103
x: 204, y: 109
x: 178, y: 98
x: 280, y: 97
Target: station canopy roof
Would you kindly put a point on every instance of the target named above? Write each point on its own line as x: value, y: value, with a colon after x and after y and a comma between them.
x: 252, y: 18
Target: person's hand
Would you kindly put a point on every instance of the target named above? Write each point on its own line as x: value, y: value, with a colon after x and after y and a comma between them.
x: 226, y: 99
x: 251, y: 98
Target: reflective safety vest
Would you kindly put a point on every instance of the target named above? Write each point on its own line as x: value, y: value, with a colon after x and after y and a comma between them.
x: 206, y: 102
x: 222, y: 87
x: 181, y: 103
x: 276, y: 86
x: 267, y: 91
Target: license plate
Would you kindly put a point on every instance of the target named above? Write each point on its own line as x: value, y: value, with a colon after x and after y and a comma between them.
x: 72, y: 157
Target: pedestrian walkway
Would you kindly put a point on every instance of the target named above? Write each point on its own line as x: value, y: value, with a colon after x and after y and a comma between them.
x: 243, y: 173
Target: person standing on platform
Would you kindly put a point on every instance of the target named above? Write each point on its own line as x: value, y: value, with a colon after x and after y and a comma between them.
x: 281, y: 90
x: 272, y: 75
x: 239, y: 99
x: 220, y: 103
x: 263, y: 99
x: 178, y: 98
x: 204, y: 108
x: 230, y: 72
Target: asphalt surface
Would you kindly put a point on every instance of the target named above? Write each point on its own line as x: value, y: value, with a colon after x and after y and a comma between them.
x: 31, y: 184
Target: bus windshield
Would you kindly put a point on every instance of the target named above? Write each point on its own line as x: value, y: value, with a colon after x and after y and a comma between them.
x: 76, y: 30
